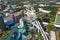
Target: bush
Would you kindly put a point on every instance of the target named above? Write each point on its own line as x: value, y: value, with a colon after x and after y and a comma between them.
x: 50, y: 27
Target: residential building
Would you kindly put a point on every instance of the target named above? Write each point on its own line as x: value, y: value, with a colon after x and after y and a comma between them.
x: 57, y: 19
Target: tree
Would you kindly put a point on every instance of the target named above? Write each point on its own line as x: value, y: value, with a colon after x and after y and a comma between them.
x: 52, y: 19
x: 23, y: 8
x: 46, y: 19
x: 50, y: 27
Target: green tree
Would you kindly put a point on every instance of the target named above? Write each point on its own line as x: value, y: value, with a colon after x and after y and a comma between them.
x: 50, y: 27
x: 52, y: 19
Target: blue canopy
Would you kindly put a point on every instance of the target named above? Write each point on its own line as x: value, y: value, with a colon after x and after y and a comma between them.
x: 10, y: 22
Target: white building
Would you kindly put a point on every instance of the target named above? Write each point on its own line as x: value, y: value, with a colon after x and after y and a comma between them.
x: 57, y: 19
x: 44, y: 11
x: 30, y: 13
x: 43, y: 5
x: 28, y: 6
x: 57, y: 2
x: 45, y: 23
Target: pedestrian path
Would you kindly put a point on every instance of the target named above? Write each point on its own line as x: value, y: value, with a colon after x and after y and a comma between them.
x: 53, y: 36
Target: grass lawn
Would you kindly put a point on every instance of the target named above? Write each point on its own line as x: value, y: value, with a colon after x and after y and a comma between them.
x: 3, y: 34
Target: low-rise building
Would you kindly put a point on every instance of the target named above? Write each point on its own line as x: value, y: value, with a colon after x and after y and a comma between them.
x: 44, y: 11
x: 57, y: 19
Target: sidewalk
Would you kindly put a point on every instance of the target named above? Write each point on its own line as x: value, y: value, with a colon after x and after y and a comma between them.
x: 53, y: 36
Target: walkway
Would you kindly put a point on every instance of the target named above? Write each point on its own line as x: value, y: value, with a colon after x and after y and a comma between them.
x: 53, y: 36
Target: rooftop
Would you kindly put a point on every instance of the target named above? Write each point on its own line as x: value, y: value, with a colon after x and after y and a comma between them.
x: 58, y: 8
x: 58, y: 12
x: 57, y: 20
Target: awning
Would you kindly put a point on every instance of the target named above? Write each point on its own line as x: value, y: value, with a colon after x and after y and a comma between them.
x: 9, y: 22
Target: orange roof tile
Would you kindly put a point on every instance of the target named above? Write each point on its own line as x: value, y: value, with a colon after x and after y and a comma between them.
x: 58, y: 8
